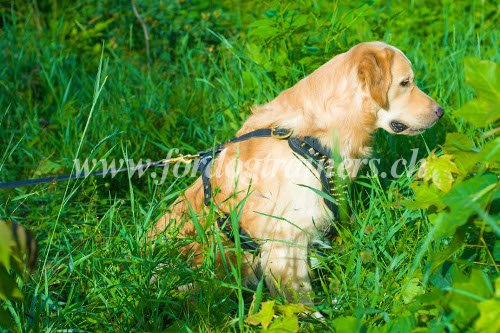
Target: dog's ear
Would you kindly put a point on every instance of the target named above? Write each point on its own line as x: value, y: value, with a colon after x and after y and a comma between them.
x: 374, y: 72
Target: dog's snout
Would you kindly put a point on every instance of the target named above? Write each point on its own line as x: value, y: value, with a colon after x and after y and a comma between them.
x: 439, y: 111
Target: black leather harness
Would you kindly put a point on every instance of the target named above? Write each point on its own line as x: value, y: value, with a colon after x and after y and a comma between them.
x: 307, y: 147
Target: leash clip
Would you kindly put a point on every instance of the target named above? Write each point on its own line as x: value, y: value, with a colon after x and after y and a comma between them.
x: 184, y: 159
x: 281, y: 133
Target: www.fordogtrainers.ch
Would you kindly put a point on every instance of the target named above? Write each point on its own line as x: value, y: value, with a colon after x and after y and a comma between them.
x: 268, y: 167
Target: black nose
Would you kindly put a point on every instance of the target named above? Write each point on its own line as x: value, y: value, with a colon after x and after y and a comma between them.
x: 439, y: 112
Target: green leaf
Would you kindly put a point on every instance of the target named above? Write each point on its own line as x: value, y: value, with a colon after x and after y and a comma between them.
x: 491, y: 151
x: 263, y: 29
x: 472, y: 193
x: 257, y: 297
x: 489, y: 316
x: 8, y: 286
x: 402, y: 324
x: 465, y: 161
x: 439, y: 170
x: 291, y: 309
x: 463, y: 200
x: 484, y: 77
x: 465, y: 154
x: 478, y: 284
x: 479, y: 112
x: 457, y: 142
x: 263, y: 317
x: 426, y: 195
x: 255, y: 53
x: 6, y: 244
x: 284, y: 324
x: 413, y: 289
x: 346, y: 325
x: 456, y: 244
x: 264, y: 32
x: 464, y: 296
x: 445, y: 224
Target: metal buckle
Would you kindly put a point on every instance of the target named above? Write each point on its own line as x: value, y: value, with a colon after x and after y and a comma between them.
x: 281, y: 133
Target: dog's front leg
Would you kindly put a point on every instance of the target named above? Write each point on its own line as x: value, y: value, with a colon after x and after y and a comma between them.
x: 286, y: 269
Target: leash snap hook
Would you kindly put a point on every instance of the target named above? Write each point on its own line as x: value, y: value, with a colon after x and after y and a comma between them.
x: 184, y: 159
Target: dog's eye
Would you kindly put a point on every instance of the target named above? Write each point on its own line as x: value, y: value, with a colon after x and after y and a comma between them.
x: 405, y: 83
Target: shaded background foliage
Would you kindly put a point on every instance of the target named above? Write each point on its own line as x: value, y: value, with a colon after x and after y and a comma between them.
x: 210, y: 62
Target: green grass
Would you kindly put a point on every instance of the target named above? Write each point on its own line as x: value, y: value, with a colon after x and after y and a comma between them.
x: 61, y: 99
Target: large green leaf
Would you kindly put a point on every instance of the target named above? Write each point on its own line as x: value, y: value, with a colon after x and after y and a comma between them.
x: 484, y: 77
x: 411, y: 290
x: 464, y: 296
x: 465, y: 154
x: 478, y: 285
x: 284, y: 324
x: 347, y: 324
x: 289, y: 310
x: 6, y: 244
x: 491, y: 151
x: 426, y: 195
x: 489, y: 316
x: 463, y: 200
x: 456, y: 243
x: 471, y: 194
x: 402, y: 324
x: 457, y: 142
x: 263, y: 317
x: 480, y: 112
x: 8, y: 286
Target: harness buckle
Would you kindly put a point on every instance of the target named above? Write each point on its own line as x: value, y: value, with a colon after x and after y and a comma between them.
x: 281, y: 133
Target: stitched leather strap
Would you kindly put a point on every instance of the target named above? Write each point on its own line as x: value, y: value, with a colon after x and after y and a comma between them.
x: 320, y: 157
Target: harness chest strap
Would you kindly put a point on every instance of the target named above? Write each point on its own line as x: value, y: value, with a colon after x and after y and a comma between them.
x: 308, y: 147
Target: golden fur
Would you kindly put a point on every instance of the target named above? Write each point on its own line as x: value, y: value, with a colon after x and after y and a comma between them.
x: 350, y: 96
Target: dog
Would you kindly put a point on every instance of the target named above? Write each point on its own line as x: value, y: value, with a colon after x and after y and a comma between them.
x: 348, y: 98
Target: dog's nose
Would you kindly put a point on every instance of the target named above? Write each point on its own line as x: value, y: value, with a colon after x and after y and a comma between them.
x: 439, y: 112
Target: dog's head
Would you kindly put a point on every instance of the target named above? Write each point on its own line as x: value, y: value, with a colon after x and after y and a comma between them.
x: 387, y: 78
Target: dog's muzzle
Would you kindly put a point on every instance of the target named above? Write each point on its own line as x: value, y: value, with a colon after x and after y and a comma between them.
x: 398, y: 127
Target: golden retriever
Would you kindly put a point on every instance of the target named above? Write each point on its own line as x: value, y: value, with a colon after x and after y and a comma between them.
x: 368, y: 87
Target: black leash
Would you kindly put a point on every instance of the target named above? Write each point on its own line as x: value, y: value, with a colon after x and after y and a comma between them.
x: 55, y: 179
x: 186, y: 159
x: 308, y: 147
